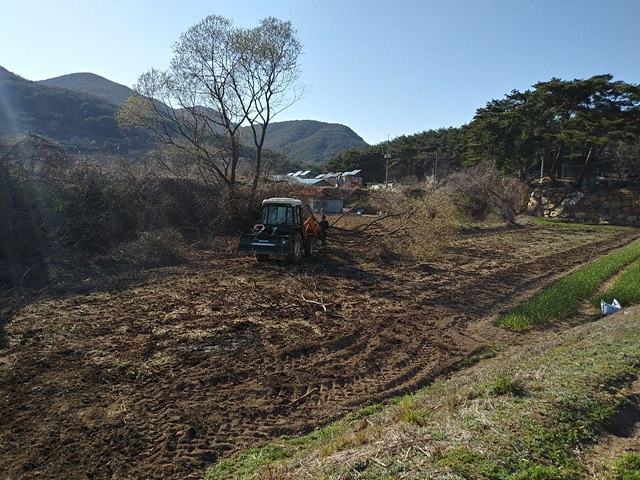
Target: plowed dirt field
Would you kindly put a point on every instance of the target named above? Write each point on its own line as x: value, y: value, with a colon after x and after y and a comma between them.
x: 160, y: 378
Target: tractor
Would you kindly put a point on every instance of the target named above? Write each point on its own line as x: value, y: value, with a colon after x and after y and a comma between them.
x: 282, y: 231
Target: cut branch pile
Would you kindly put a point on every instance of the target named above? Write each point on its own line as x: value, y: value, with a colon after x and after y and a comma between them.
x: 413, y: 227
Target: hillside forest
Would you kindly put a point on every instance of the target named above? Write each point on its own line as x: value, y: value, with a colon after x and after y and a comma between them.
x: 78, y: 111
x: 581, y: 127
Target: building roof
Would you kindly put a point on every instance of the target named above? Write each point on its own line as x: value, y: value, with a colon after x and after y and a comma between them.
x: 338, y: 174
x: 314, y: 181
x: 299, y: 173
x: 318, y: 182
x: 294, y: 202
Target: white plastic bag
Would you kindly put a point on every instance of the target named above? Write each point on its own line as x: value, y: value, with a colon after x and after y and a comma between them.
x: 608, y: 309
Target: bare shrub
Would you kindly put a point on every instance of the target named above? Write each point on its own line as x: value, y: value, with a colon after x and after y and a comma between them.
x: 151, y: 249
x: 21, y: 247
x: 419, y: 189
x: 519, y: 193
x: 222, y: 243
x: 21, y: 259
x: 89, y: 208
x: 481, y: 191
x: 417, y: 227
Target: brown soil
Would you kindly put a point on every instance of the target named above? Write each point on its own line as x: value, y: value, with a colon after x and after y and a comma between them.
x: 162, y: 378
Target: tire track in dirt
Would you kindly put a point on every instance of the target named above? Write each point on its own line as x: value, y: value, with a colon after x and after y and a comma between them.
x: 371, y: 378
x: 239, y: 373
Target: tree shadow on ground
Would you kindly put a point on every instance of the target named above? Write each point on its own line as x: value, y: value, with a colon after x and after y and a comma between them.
x: 330, y: 262
x: 9, y: 305
x: 70, y: 284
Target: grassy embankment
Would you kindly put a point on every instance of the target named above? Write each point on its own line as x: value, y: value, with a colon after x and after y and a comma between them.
x: 625, y: 288
x: 563, y: 297
x: 520, y: 415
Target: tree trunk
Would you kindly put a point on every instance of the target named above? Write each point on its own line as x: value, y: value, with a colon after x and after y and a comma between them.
x: 256, y: 178
x: 259, y: 143
x: 235, y: 155
x: 555, y: 166
x: 587, y: 163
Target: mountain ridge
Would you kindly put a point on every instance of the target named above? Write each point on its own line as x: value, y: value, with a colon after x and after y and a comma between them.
x: 79, y: 109
x: 91, y: 84
x: 312, y: 141
x: 77, y: 120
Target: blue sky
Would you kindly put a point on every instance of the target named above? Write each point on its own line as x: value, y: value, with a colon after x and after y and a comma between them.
x: 380, y: 67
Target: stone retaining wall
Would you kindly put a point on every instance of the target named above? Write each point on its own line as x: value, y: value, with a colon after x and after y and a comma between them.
x: 608, y: 206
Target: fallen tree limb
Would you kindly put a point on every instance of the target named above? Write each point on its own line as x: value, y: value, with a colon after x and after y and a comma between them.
x: 337, y: 219
x: 345, y: 230
x: 302, y: 397
x: 322, y: 304
x: 361, y: 229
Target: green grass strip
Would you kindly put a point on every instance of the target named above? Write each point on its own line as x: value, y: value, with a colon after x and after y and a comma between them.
x: 627, y: 467
x: 563, y: 297
x: 626, y: 288
x: 549, y: 222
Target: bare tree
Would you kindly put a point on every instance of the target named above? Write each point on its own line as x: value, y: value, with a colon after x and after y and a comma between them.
x: 269, y: 72
x: 221, y: 78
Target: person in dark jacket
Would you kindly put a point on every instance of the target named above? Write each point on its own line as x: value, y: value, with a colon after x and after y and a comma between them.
x: 324, y: 227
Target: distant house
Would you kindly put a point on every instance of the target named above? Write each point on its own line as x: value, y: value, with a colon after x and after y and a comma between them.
x: 299, y: 174
x: 322, y: 202
x: 350, y: 179
x: 299, y: 177
x: 331, y: 178
x: 315, y: 182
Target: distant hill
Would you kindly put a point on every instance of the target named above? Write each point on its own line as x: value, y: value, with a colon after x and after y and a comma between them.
x: 92, y: 84
x: 6, y: 74
x: 77, y: 120
x: 305, y: 141
x: 78, y: 110
x: 5, y: 77
x: 311, y: 142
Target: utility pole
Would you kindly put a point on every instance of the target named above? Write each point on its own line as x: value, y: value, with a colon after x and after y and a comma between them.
x: 387, y: 156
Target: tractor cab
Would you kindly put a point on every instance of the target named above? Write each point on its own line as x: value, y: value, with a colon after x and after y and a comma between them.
x: 280, y: 231
x: 281, y: 213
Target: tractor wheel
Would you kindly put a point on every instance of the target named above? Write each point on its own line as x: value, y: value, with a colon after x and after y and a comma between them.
x: 308, y: 247
x: 262, y: 258
x: 296, y: 252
